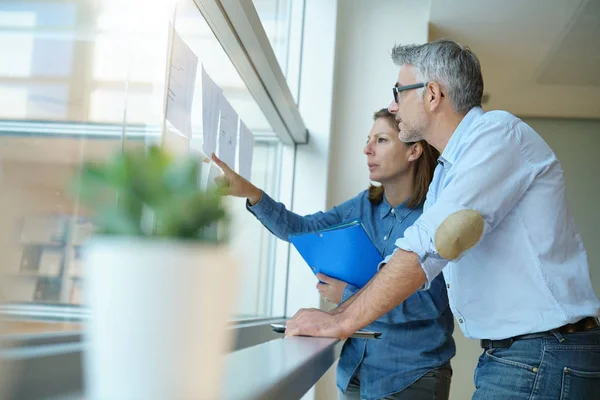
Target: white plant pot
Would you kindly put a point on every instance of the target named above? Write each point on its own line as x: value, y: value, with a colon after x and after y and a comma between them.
x: 160, y: 311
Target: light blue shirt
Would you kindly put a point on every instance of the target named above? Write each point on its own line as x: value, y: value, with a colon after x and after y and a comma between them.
x: 529, y: 271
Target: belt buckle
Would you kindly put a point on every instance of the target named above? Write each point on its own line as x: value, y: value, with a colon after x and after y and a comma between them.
x: 580, y: 326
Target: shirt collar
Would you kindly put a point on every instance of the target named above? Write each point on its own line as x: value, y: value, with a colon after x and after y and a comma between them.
x: 451, y: 150
x: 400, y: 211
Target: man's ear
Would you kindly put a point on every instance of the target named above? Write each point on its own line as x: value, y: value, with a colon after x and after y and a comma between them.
x: 415, y: 152
x: 433, y: 95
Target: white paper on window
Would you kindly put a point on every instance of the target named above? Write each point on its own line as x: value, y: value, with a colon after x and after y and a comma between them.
x: 211, y: 97
x: 182, y: 81
x: 228, y: 125
x: 246, y: 149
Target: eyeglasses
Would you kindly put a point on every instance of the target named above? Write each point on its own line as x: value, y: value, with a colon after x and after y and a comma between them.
x: 398, y: 89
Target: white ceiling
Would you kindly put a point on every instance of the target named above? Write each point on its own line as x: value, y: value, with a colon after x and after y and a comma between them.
x: 540, y: 58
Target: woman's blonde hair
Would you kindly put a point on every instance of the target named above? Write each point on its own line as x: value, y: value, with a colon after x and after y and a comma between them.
x: 423, y: 171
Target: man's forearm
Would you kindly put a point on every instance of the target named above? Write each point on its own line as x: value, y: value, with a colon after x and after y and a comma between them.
x: 342, y: 307
x: 394, y: 283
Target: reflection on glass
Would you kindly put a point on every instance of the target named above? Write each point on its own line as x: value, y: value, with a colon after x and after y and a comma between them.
x: 275, y: 16
x: 84, y: 79
x: 283, y: 22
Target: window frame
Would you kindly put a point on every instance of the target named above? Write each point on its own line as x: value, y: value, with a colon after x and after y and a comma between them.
x: 237, y: 26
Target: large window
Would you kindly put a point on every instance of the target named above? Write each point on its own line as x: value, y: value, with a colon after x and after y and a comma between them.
x: 84, y: 79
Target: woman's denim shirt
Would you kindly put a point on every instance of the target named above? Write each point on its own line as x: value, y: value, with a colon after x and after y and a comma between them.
x: 416, y: 335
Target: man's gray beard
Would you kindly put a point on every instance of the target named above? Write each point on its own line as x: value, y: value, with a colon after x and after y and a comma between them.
x: 412, y: 136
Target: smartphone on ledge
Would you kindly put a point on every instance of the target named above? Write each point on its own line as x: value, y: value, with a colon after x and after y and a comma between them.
x: 280, y: 328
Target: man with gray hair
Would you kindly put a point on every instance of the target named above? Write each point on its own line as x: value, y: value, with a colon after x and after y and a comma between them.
x: 496, y: 223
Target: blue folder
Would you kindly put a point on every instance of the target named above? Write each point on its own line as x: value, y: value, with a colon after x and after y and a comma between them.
x: 343, y: 252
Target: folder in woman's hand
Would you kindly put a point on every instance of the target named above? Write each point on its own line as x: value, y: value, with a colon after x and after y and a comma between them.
x: 343, y: 252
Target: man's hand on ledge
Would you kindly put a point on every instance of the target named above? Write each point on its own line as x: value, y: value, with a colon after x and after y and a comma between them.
x: 401, y: 277
x: 314, y: 322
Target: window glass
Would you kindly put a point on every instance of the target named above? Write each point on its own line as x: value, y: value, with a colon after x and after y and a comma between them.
x: 283, y: 22
x: 85, y: 79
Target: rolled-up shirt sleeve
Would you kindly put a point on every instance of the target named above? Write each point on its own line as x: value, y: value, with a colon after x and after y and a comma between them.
x: 432, y: 266
x: 490, y: 176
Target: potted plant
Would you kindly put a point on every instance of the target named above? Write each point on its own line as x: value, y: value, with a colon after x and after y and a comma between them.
x: 158, y: 280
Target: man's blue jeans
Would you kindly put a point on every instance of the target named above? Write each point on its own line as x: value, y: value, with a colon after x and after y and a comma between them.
x: 557, y: 367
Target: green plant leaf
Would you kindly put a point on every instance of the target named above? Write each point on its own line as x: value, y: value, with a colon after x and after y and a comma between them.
x: 135, y: 183
x: 116, y: 221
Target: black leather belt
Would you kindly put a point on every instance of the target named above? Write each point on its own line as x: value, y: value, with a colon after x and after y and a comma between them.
x: 579, y: 326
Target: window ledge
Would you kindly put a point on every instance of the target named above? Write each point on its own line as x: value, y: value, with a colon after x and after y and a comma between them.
x: 50, y: 366
x: 288, y: 368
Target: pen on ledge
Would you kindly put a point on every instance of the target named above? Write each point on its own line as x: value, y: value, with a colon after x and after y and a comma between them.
x: 280, y: 328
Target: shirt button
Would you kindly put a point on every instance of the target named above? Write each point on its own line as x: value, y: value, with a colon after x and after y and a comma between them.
x: 460, y: 320
x: 385, y: 238
x: 393, y: 211
x: 448, y: 286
